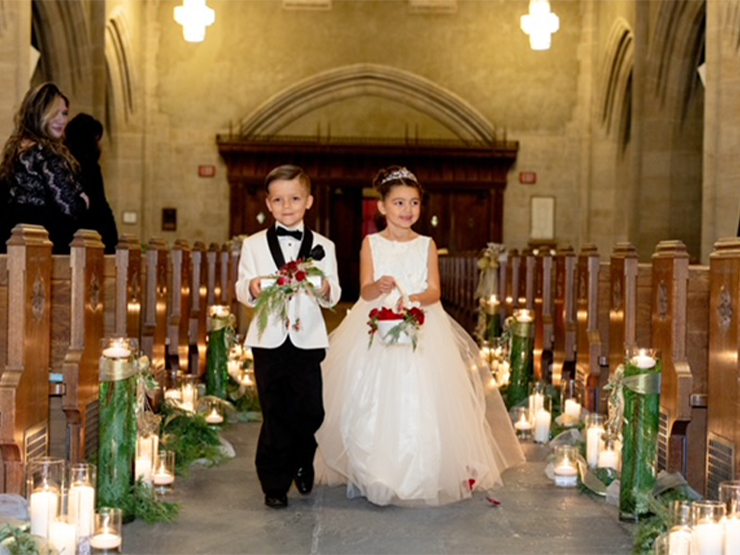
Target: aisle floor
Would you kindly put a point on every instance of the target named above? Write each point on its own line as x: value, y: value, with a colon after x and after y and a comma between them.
x: 223, y: 513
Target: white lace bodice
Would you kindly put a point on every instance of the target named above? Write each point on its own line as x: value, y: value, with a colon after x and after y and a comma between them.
x: 405, y: 261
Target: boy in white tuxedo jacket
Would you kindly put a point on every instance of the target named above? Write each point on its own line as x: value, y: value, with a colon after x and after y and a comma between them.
x: 287, y: 358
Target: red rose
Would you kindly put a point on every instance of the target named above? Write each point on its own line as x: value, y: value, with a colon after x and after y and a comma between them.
x: 417, y: 314
x: 373, y: 313
x: 300, y: 275
x: 282, y: 280
x: 388, y: 314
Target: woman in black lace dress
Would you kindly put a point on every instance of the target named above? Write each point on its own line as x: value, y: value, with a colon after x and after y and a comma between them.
x: 38, y: 174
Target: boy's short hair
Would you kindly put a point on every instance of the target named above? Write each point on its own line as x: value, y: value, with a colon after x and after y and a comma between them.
x: 288, y: 172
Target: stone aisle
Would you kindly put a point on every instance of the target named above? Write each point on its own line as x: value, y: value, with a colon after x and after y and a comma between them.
x: 223, y: 513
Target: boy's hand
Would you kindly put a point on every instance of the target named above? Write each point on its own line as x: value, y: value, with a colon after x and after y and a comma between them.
x: 255, y: 287
x: 325, y: 289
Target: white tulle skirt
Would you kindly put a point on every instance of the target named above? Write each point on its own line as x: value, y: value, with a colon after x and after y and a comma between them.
x: 405, y: 426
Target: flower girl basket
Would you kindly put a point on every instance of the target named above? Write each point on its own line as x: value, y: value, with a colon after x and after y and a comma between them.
x: 385, y: 327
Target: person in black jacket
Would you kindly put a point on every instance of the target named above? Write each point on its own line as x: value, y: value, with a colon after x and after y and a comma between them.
x: 82, y: 137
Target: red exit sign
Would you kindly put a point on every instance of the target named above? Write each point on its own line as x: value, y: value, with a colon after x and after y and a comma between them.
x: 528, y: 178
x: 206, y: 171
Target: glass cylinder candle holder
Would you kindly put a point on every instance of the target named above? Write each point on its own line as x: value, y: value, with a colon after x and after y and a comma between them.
x: 492, y: 308
x: 569, y: 403
x: 189, y: 392
x: 147, y: 448
x: 609, y: 455
x: 45, y: 490
x: 537, y: 394
x: 117, y: 427
x: 220, y: 328
x: 522, y: 422
x: 707, y: 536
x: 729, y: 494
x: 594, y: 438
x: 678, y: 537
x: 566, y: 466
x: 213, y: 412
x: 107, y: 536
x: 164, y: 472
x: 542, y: 421
x: 63, y: 536
x: 641, y: 390
x: 81, y: 478
x: 521, y: 358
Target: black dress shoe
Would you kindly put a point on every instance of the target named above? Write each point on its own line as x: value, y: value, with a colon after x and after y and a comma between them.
x: 304, y: 479
x: 277, y: 501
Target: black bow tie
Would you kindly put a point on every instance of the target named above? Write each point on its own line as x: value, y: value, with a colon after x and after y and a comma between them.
x: 294, y: 233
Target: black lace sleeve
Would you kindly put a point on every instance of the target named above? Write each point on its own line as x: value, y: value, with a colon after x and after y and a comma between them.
x: 63, y: 188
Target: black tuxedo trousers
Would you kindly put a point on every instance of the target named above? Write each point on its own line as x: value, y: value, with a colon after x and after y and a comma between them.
x: 289, y: 386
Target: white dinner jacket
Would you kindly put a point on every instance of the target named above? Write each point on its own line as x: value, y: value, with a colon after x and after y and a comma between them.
x: 257, y: 261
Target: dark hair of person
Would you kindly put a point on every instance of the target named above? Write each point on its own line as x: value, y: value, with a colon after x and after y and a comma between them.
x: 393, y: 176
x: 288, y: 172
x: 30, y: 125
x: 81, y: 137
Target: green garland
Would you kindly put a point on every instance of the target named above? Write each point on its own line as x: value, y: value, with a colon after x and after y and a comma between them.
x: 117, y: 442
x: 653, y: 526
x: 142, y: 503
x: 191, y: 438
x: 18, y: 540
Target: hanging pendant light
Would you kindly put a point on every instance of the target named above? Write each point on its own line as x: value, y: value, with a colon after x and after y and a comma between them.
x: 194, y: 16
x: 540, y: 24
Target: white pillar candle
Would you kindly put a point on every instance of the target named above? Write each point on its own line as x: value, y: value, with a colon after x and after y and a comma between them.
x: 116, y: 352
x: 522, y: 424
x: 542, y: 426
x: 44, y: 508
x: 536, y: 402
x: 732, y: 536
x: 63, y: 537
x: 143, y: 468
x: 163, y: 478
x: 82, y: 509
x: 679, y: 542
x: 105, y: 541
x: 643, y: 361
x: 593, y: 444
x: 188, y: 397
x: 214, y: 417
x: 708, y: 538
x: 608, y: 459
x: 573, y: 409
x: 566, y: 476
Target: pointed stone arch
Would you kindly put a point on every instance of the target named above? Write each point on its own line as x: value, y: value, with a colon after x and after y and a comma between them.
x: 121, y: 77
x: 616, y: 80
x: 335, y: 85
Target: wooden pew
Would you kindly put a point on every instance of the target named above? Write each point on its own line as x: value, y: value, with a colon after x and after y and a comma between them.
x: 622, y: 303
x: 178, y: 328
x: 80, y: 367
x: 129, y: 287
x: 723, y: 416
x: 235, y: 250
x: 528, y: 275
x: 214, y: 274
x: 543, y: 315
x: 503, y: 285
x: 564, y: 316
x: 588, y: 337
x: 198, y: 309
x: 669, y: 305
x: 154, y: 326
x: 512, y: 292
x: 25, y: 295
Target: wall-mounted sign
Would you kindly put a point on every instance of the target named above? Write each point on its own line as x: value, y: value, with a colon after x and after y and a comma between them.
x: 206, y: 171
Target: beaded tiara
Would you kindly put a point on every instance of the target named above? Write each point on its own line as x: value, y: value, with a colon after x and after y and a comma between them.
x: 402, y: 173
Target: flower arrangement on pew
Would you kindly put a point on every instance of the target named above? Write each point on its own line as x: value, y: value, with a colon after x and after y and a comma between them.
x: 293, y: 279
x: 396, y: 327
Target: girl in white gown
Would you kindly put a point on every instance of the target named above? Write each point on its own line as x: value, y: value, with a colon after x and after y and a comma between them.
x: 404, y: 425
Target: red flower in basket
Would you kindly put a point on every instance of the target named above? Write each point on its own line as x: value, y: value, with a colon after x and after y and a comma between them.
x: 397, y: 327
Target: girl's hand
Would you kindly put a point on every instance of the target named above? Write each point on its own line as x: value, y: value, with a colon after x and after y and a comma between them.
x: 386, y: 284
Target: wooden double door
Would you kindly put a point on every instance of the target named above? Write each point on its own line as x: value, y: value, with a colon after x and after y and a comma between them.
x: 462, y: 207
